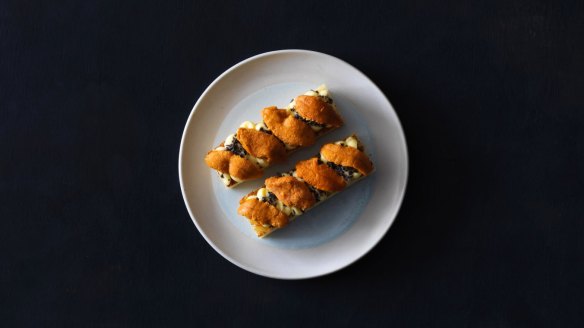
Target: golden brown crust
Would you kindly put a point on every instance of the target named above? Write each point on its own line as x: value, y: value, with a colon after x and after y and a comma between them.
x: 347, y: 156
x: 285, y: 127
x: 218, y: 160
x: 291, y: 191
x: 225, y: 161
x: 260, y: 213
x: 243, y: 169
x: 262, y: 145
x: 319, y: 175
x: 315, y: 109
x: 260, y: 230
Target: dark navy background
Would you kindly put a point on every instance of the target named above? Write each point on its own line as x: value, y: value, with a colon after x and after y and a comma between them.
x: 94, y: 96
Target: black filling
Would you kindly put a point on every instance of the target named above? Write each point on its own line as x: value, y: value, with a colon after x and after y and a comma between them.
x: 326, y: 99
x: 231, y: 181
x: 317, y: 193
x: 271, y: 199
x: 265, y: 131
x: 236, y: 148
x: 344, y: 171
x: 307, y: 121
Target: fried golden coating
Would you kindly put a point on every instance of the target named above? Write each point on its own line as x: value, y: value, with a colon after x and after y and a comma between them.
x: 243, y: 169
x: 285, y: 127
x: 315, y: 109
x: 262, y: 213
x: 262, y: 145
x: 347, y: 156
x: 218, y: 160
x: 225, y: 161
x: 320, y: 175
x: 291, y: 191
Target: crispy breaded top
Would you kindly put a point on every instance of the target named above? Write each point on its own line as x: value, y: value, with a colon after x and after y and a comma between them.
x: 243, y: 169
x: 262, y: 213
x: 218, y: 160
x: 291, y: 191
x: 285, y: 127
x: 319, y: 176
x: 315, y: 109
x: 225, y: 161
x: 262, y: 145
x: 347, y: 156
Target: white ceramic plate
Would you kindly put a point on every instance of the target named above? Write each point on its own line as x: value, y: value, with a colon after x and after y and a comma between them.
x: 337, y: 232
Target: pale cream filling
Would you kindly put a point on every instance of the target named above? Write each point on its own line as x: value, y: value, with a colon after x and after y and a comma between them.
x: 252, y: 125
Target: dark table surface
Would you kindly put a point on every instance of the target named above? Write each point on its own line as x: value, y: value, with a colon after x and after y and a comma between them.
x: 94, y: 97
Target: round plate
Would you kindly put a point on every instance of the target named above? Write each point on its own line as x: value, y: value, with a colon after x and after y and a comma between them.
x: 341, y: 229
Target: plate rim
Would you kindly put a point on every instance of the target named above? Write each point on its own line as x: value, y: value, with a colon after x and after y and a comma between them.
x: 181, y: 155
